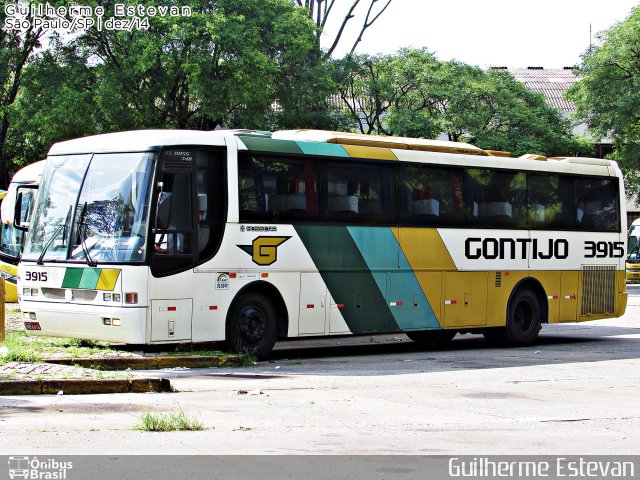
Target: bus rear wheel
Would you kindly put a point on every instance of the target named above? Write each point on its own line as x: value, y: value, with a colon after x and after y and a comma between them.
x: 432, y: 338
x: 252, y: 326
x: 524, y: 321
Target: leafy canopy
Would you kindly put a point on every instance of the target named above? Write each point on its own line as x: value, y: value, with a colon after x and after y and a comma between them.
x: 607, y: 95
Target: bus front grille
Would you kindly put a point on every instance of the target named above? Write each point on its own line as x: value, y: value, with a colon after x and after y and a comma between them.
x: 77, y: 294
x: 598, y: 290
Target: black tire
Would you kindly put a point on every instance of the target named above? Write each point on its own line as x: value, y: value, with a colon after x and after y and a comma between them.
x: 432, y: 338
x: 252, y: 326
x: 524, y: 321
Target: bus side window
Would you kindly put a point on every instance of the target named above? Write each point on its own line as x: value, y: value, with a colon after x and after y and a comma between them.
x: 597, y: 204
x: 430, y: 195
x: 211, y: 202
x: 173, y: 238
x: 359, y: 193
x: 188, y: 230
x: 496, y: 198
x: 273, y: 188
x: 545, y: 205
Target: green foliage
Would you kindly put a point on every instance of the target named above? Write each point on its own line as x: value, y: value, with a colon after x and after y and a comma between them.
x: 56, y: 103
x: 413, y: 94
x: 607, y: 95
x: 152, y: 422
x: 227, y: 64
x: 19, y: 351
x: 27, y: 348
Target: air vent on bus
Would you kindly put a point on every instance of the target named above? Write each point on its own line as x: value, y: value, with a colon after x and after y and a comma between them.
x: 78, y: 294
x: 498, y: 279
x: 598, y: 289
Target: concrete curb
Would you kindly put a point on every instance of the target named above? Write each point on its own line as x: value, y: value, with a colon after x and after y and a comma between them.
x: 85, y: 386
x: 149, y: 363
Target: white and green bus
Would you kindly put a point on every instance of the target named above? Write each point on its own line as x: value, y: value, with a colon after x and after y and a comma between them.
x: 151, y: 237
x: 24, y: 185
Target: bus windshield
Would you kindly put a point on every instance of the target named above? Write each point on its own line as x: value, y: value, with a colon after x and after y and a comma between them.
x: 92, y: 209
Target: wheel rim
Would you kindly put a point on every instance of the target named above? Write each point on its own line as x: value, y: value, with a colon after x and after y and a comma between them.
x: 523, y: 316
x: 252, y: 325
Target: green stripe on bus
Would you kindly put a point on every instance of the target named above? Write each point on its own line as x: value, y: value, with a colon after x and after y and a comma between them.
x: 348, y: 278
x: 323, y: 149
x: 262, y: 144
x: 90, y: 278
x: 72, y: 278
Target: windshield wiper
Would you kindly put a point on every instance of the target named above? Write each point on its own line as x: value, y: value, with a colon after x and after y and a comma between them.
x: 61, y: 228
x: 82, y: 232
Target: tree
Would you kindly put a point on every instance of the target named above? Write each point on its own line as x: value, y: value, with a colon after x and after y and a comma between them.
x: 228, y: 64
x: 320, y: 11
x: 380, y: 92
x: 16, y: 48
x: 607, y: 96
x: 56, y: 103
x: 221, y: 65
x: 413, y: 94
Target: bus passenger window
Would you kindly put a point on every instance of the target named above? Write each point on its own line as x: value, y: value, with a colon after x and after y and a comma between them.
x: 430, y: 195
x: 496, y: 198
x: 359, y: 193
x: 280, y: 189
x: 597, y: 204
x: 546, y: 207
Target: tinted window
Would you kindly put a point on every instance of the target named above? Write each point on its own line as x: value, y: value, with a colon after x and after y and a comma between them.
x: 550, y: 201
x: 190, y: 209
x: 597, y: 204
x: 429, y: 195
x: 358, y: 193
x: 273, y: 188
x: 496, y: 198
x: 211, y: 211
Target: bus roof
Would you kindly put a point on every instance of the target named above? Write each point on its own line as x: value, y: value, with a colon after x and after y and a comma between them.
x: 400, y: 143
x: 336, y: 143
x: 137, y: 141
x: 29, y: 175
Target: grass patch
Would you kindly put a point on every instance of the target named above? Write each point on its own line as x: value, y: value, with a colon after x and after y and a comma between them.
x: 167, y: 422
x: 27, y: 348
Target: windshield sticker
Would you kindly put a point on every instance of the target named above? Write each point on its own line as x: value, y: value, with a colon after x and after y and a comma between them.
x: 222, y: 283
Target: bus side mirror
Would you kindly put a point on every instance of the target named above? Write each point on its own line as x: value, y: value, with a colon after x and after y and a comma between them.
x: 18, y: 222
x: 25, y: 196
x: 164, y: 211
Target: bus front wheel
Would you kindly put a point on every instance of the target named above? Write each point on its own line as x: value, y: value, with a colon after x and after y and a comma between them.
x: 524, y: 320
x: 252, y: 326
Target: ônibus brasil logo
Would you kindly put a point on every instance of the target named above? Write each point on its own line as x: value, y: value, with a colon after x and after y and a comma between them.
x: 36, y: 469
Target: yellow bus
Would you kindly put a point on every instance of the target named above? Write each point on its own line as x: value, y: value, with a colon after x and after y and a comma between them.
x: 12, y: 239
x: 166, y: 236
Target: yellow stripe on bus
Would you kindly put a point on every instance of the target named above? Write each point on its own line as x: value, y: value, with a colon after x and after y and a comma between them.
x: 108, y: 279
x: 373, y: 153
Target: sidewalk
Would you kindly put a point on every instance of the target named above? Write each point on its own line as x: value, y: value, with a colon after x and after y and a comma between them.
x: 102, y: 372
x: 19, y: 378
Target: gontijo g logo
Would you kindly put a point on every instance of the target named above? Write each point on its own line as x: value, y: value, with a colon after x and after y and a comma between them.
x: 264, y: 250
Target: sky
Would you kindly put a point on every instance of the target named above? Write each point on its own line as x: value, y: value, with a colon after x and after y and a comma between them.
x: 511, y: 33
